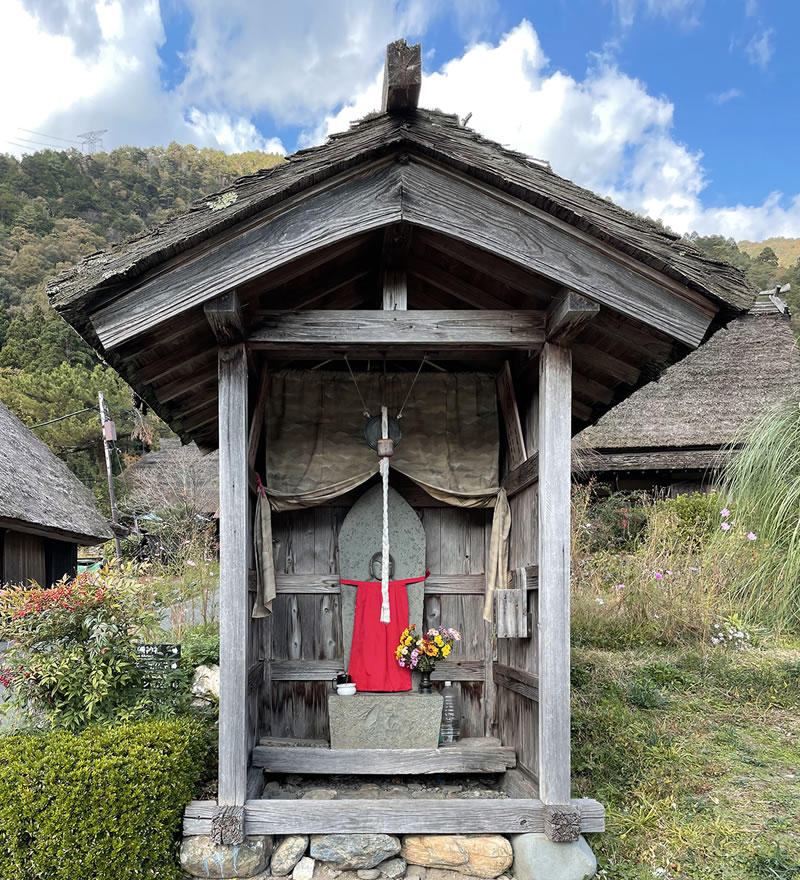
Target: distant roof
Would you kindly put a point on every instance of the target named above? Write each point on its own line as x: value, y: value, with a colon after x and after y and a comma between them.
x: 175, y: 475
x: 707, y: 400
x: 429, y: 132
x: 39, y: 492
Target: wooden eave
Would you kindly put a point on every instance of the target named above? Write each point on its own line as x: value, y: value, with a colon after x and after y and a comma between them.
x: 144, y: 311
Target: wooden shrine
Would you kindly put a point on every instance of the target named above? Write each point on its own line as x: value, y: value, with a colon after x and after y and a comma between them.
x: 406, y: 243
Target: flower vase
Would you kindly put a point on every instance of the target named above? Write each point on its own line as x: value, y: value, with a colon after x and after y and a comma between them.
x: 425, y: 682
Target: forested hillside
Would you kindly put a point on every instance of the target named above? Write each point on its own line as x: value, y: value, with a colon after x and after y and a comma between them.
x: 56, y: 207
x: 787, y: 250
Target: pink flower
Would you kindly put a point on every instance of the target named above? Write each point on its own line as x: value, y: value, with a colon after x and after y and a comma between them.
x: 693, y: 568
x: 668, y: 572
x: 725, y: 526
x: 724, y: 512
x: 190, y: 562
x: 620, y: 586
x: 751, y: 536
x: 658, y: 576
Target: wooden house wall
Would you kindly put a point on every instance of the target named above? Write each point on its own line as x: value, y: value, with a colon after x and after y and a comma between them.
x: 23, y: 558
x: 305, y: 630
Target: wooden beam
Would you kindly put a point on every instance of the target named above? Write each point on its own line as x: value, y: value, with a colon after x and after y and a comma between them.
x: 455, y: 286
x: 325, y: 670
x: 447, y: 202
x: 402, y: 77
x: 568, y: 315
x: 460, y: 758
x: 526, y: 684
x: 555, y: 392
x: 403, y: 816
x: 233, y: 599
x: 224, y: 314
x: 303, y: 231
x: 435, y: 584
x: 395, y: 290
x: 522, y: 476
x: 601, y: 360
x: 511, y: 421
x: 347, y: 330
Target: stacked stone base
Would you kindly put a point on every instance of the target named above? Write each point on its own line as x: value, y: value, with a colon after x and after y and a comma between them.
x: 388, y: 857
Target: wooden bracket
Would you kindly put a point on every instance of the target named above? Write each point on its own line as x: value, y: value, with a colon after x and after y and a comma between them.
x: 225, y: 316
x: 562, y: 823
x: 567, y: 316
x: 227, y: 826
x: 402, y: 77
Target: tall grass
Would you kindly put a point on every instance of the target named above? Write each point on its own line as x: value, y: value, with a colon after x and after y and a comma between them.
x: 763, y: 485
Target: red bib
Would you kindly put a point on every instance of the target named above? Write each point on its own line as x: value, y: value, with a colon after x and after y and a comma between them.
x: 373, y: 666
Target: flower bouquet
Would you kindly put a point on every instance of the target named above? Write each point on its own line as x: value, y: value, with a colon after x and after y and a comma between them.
x: 421, y: 652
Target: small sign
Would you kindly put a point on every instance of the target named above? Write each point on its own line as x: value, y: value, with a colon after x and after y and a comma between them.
x: 159, y: 665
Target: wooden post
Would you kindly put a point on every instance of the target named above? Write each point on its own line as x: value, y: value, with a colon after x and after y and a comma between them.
x: 555, y: 393
x: 402, y: 77
x: 233, y: 485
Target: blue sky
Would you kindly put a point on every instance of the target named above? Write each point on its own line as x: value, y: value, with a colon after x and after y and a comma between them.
x: 682, y: 109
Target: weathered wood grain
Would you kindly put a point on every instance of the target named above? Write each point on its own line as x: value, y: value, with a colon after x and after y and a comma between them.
x: 523, y: 683
x: 522, y: 476
x: 595, y: 358
x: 334, y: 212
x: 446, y: 202
x: 455, y: 286
x: 511, y: 611
x: 386, y: 762
x: 555, y: 391
x: 478, y: 816
x: 402, y: 77
x: 257, y: 421
x: 511, y: 421
x: 435, y: 584
x: 568, y: 315
x: 224, y: 315
x: 325, y: 670
x: 233, y: 600
x: 460, y: 329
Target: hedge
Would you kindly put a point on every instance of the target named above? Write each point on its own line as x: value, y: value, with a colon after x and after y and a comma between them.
x: 104, y: 804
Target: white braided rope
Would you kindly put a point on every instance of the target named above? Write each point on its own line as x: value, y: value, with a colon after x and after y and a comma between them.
x: 384, y: 469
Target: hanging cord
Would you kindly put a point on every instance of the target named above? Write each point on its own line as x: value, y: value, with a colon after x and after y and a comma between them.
x: 384, y: 469
x: 414, y: 382
x: 358, y: 390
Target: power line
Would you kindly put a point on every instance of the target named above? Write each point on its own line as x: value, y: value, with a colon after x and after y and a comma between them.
x: 41, y: 144
x: 61, y: 418
x: 52, y: 137
x: 92, y: 139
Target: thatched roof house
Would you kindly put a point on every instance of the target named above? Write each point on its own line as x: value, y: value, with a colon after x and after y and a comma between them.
x: 680, y: 430
x: 173, y: 476
x: 45, y: 510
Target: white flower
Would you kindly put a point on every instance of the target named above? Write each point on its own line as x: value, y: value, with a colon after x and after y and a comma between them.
x: 599, y: 601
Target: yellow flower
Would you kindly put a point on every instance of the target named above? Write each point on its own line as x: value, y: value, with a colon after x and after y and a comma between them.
x: 445, y: 650
x: 439, y: 641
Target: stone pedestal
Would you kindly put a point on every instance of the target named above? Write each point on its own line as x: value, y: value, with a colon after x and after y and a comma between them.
x: 385, y: 721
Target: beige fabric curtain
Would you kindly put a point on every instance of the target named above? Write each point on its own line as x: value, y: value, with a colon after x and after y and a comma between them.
x: 316, y: 449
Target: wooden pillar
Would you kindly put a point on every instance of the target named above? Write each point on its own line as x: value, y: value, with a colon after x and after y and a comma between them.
x: 555, y: 394
x: 233, y: 599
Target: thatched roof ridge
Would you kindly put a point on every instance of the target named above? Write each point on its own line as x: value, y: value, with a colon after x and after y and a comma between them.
x: 425, y: 132
x: 39, y: 492
x: 713, y: 395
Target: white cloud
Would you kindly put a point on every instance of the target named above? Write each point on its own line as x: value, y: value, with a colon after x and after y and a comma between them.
x: 685, y: 13
x: 760, y: 50
x: 232, y: 135
x: 606, y: 132
x: 721, y: 98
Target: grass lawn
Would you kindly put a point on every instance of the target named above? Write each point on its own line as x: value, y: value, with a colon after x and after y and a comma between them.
x: 696, y: 755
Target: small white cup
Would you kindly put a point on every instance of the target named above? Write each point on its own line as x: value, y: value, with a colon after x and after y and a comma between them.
x: 346, y: 690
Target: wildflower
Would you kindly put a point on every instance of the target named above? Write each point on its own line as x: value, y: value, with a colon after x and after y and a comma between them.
x: 656, y: 617
x: 693, y: 568
x: 751, y: 536
x: 620, y: 586
x: 667, y: 572
x: 190, y: 562
x: 724, y: 512
x: 725, y: 526
x: 658, y: 576
x: 599, y: 601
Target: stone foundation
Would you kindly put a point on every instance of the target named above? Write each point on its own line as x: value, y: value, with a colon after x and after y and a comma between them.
x: 389, y: 857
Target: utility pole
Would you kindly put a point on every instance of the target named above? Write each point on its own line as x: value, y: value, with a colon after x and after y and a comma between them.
x: 109, y: 435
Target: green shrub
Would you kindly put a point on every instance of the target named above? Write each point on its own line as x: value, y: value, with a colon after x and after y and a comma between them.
x: 697, y: 516
x: 200, y: 646
x: 72, y: 659
x: 615, y: 522
x: 104, y: 804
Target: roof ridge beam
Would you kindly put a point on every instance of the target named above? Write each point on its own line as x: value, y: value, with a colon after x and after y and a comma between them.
x: 402, y: 77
